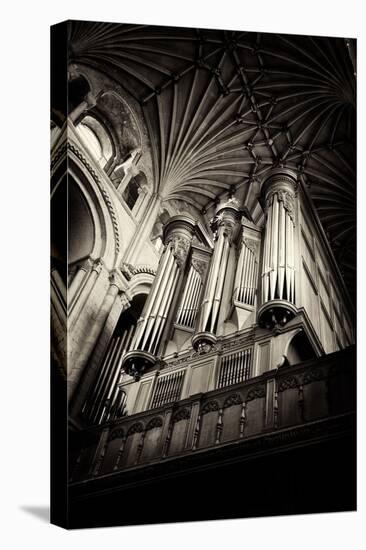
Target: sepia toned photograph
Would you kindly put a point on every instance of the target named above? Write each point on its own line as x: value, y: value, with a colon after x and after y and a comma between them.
x: 203, y: 274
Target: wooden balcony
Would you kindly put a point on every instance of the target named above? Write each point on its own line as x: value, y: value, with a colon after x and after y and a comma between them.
x: 287, y: 406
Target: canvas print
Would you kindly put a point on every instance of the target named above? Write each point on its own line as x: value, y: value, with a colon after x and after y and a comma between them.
x: 203, y: 255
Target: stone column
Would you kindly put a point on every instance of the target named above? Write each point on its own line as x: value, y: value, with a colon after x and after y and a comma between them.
x: 76, y: 306
x: 88, y: 103
x: 99, y: 320
x: 177, y: 236
x: 225, y: 226
x: 81, y: 269
x: 279, y: 194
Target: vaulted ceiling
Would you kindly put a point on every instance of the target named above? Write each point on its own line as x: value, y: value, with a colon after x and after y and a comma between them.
x: 224, y: 107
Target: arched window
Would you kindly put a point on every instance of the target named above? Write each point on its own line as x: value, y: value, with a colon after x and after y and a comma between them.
x: 135, y: 192
x: 131, y: 193
x: 95, y: 139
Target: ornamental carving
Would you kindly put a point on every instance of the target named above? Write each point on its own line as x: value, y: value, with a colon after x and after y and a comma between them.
x: 314, y: 375
x: 129, y: 270
x: 286, y: 197
x: 116, y: 434
x: 204, y: 348
x: 182, y: 414
x: 246, y: 341
x: 287, y: 384
x: 234, y: 399
x: 221, y: 222
x: 211, y: 406
x: 200, y: 266
x: 98, y: 265
x: 135, y: 428
x: 255, y: 393
x: 154, y: 423
x: 179, y: 245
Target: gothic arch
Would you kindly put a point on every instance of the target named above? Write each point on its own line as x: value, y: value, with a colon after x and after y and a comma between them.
x: 107, y: 233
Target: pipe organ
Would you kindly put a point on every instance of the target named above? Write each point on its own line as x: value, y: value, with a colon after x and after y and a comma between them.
x: 278, y: 265
x: 146, y: 344
x: 246, y: 278
x: 251, y: 280
x: 225, y: 226
x: 188, y: 308
x: 105, y: 399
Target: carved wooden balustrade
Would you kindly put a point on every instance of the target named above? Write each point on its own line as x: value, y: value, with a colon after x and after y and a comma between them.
x: 288, y: 397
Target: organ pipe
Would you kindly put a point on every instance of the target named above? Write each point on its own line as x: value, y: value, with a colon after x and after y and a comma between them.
x: 224, y: 224
x: 278, y: 269
x: 246, y: 273
x: 178, y: 234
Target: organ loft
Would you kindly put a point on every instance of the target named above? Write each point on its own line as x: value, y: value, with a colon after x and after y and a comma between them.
x: 205, y: 292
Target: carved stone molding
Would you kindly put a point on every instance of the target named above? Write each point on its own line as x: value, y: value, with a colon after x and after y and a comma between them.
x: 287, y: 384
x: 211, y: 406
x: 135, y: 428
x: 182, y: 414
x: 234, y: 399
x: 284, y: 196
x: 315, y: 375
x: 154, y: 423
x: 255, y: 393
x: 115, y: 279
x: 98, y: 265
x: 103, y: 190
x: 116, y: 434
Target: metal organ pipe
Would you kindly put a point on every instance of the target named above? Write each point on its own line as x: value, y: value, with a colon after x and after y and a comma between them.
x: 281, y: 249
x: 274, y: 249
x: 166, y: 305
x: 278, y: 270
x: 178, y: 234
x: 188, y: 301
x: 212, y: 280
x: 238, y: 274
x: 219, y: 285
x: 246, y: 274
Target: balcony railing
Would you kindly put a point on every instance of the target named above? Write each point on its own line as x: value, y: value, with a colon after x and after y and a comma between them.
x: 278, y: 399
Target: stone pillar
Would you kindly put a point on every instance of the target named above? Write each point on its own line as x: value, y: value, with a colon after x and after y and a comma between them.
x: 279, y: 194
x: 88, y: 103
x: 80, y: 271
x: 177, y: 236
x: 225, y: 226
x: 99, y: 320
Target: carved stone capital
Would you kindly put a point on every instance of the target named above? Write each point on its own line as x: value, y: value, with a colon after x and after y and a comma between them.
x: 177, y: 235
x: 179, y: 245
x: 98, y: 265
x: 226, y: 219
x: 115, y: 279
